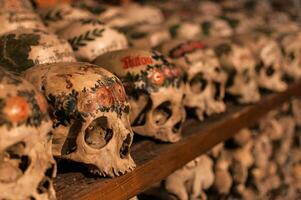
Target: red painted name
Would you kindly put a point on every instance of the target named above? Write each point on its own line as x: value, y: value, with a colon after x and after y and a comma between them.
x: 186, y: 48
x: 135, y: 61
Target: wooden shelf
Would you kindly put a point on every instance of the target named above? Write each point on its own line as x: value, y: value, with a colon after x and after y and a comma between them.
x: 156, y: 160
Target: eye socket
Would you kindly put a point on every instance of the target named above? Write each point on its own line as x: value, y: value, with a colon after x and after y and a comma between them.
x: 291, y: 56
x: 198, y: 84
x: 162, y: 113
x: 98, y: 134
x: 270, y: 71
x: 13, y: 163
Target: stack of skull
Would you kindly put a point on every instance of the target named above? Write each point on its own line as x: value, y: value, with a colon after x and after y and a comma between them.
x: 102, y: 73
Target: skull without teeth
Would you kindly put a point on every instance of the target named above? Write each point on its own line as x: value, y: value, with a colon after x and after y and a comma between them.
x: 269, y: 61
x: 26, y: 163
x: 206, y: 81
x: 18, y: 19
x: 291, y: 46
x: 90, y: 112
x: 155, y: 88
x: 237, y: 60
x: 90, y: 38
x: 24, y: 48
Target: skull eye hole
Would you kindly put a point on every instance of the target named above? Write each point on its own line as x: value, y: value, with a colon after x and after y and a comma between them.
x: 98, y: 134
x: 270, y: 71
x: 162, y: 113
x: 198, y: 84
x: 125, y: 148
x: 14, y: 163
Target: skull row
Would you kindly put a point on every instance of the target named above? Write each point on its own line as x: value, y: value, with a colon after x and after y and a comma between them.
x: 26, y: 163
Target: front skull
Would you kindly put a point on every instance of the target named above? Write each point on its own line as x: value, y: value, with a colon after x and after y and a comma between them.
x: 239, y: 63
x: 24, y: 48
x: 269, y: 60
x: 155, y: 88
x: 26, y: 163
x: 90, y: 114
x: 90, y: 38
x: 206, y: 81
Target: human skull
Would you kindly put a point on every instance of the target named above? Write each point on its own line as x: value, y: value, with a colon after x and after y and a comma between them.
x: 183, y: 29
x: 145, y: 36
x: 242, y: 23
x: 15, y: 5
x: 22, y: 49
x: 269, y: 61
x: 290, y: 44
x: 18, y: 15
x: 90, y: 38
x: 209, y: 8
x: 214, y: 27
x: 61, y: 15
x: 142, y: 14
x: 26, y: 163
x: 239, y: 63
x: 155, y: 88
x: 190, y: 181
x: 90, y: 114
x: 206, y: 82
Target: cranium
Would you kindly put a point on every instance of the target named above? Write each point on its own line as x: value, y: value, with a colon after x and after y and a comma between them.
x: 190, y: 181
x: 142, y: 14
x: 146, y: 36
x: 25, y: 48
x: 183, y: 29
x: 290, y: 44
x: 210, y: 9
x: 239, y: 63
x: 60, y: 16
x: 214, y: 27
x: 269, y: 60
x: 206, y: 81
x: 90, y: 114
x: 155, y: 88
x: 26, y: 163
x: 18, y: 15
x: 90, y: 38
x: 16, y: 5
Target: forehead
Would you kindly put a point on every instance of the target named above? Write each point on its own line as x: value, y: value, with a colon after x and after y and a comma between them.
x: 130, y: 61
x: 65, y: 77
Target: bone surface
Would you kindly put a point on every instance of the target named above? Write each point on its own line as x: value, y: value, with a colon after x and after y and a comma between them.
x: 26, y: 163
x: 155, y: 88
x: 22, y: 49
x: 90, y: 113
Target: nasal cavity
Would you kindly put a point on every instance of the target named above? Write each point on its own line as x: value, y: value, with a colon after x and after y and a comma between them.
x: 176, y: 128
x: 125, y: 148
x: 45, y: 183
